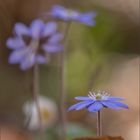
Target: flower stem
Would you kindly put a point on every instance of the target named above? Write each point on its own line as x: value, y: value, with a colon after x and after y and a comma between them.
x: 36, y: 97
x: 99, y: 131
x: 62, y: 87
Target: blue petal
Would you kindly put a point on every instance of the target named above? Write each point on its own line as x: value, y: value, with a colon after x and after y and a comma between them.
x: 84, y: 105
x: 52, y: 48
x: 96, y: 106
x: 82, y: 98
x: 80, y: 105
x: 20, y: 29
x: 114, y: 98
x: 58, y: 11
x: 15, y: 43
x: 28, y: 62
x: 87, y: 18
x: 56, y: 38
x: 16, y: 56
x: 111, y: 105
x: 41, y: 59
x: 63, y: 13
x: 49, y: 29
x: 71, y: 15
x: 37, y: 28
x: 57, y: 8
x: 119, y: 104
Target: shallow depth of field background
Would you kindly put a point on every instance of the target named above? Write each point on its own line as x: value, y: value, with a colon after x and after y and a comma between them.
x: 102, y: 57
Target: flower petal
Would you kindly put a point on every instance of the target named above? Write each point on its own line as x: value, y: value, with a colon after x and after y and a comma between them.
x: 111, y: 105
x: 16, y: 56
x: 80, y: 105
x: 114, y: 98
x: 28, y: 61
x: 82, y: 98
x: 119, y: 104
x: 20, y: 29
x: 87, y: 18
x: 41, y: 59
x: 96, y: 106
x: 15, y: 43
x: 58, y: 8
x: 58, y: 11
x: 55, y: 38
x: 37, y: 28
x: 49, y: 29
x: 52, y: 48
x: 84, y: 105
x: 63, y: 13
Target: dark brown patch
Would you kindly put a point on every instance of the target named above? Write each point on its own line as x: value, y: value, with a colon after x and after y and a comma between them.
x: 101, y: 138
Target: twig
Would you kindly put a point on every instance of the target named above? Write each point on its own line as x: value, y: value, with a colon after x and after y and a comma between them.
x: 36, y: 96
x: 62, y: 87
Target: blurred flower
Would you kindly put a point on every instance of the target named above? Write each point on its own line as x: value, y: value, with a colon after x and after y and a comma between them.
x: 31, y: 44
x: 96, y: 101
x: 48, y: 111
x: 62, y: 13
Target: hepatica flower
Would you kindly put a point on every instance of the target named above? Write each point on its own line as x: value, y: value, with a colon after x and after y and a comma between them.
x: 30, y: 44
x: 48, y: 113
x: 61, y: 13
x: 94, y: 102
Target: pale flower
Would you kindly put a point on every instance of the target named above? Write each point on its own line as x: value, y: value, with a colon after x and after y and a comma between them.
x: 48, y: 111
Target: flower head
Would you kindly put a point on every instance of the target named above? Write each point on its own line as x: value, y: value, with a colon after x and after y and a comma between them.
x: 96, y: 101
x: 62, y: 13
x: 30, y: 44
x: 48, y: 110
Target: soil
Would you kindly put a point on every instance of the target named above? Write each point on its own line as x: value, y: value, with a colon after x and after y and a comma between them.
x: 101, y: 138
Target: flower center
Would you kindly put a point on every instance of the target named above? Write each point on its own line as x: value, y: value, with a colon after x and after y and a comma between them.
x: 101, y: 95
x: 45, y: 114
x: 98, y: 97
x: 34, y: 43
x: 70, y: 12
x: 33, y: 47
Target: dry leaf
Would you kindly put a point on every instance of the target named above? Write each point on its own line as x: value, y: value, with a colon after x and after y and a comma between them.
x: 11, y: 133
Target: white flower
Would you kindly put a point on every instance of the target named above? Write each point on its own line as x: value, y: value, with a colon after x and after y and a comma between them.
x: 48, y: 111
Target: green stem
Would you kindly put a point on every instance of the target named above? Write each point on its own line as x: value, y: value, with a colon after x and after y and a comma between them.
x: 62, y: 87
x: 99, y: 131
x: 36, y: 97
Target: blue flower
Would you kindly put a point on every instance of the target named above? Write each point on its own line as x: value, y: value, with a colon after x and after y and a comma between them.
x: 94, y: 102
x: 30, y: 44
x: 61, y: 13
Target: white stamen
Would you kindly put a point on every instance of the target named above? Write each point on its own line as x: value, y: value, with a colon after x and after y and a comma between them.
x: 100, y: 95
x: 91, y: 96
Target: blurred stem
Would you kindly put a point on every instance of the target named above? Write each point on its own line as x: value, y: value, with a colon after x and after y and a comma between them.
x: 99, y: 131
x: 36, y: 97
x: 62, y: 87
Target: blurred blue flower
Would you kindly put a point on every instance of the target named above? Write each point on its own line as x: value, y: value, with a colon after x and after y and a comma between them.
x: 94, y: 102
x: 30, y: 44
x: 62, y: 13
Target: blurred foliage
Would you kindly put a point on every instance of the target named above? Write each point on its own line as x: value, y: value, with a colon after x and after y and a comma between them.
x: 49, y: 81
x: 92, y: 51
x: 77, y: 130
x: 73, y: 130
x: 50, y: 134
x: 87, y: 65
